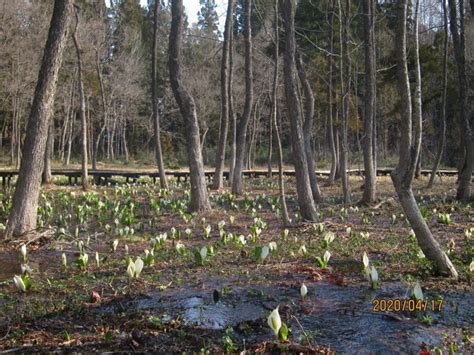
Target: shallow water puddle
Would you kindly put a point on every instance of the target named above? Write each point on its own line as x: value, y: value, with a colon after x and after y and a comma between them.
x: 339, y: 317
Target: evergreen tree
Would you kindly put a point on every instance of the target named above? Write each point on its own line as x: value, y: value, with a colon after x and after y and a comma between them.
x: 207, y: 17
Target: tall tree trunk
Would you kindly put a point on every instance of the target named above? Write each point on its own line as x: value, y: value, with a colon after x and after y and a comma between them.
x: 370, y: 173
x: 233, y: 150
x: 237, y: 185
x: 303, y: 187
x: 224, y: 123
x: 47, y: 177
x: 466, y: 108
x: 84, y: 170
x: 270, y: 146
x: 345, y: 74
x: 199, y: 195
x: 308, y: 127
x: 442, y: 134
x: 22, y: 218
x: 402, y: 175
x: 154, y: 94
x: 104, y: 110
x: 274, y: 113
x: 70, y: 136
x: 330, y: 94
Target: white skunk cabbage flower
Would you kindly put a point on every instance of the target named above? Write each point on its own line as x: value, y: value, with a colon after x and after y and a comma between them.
x: 302, y: 250
x: 138, y: 267
x: 272, y: 246
x: 374, y: 275
x: 274, y: 321
x: 264, y: 254
x: 64, y: 260
x: 326, y: 256
x: 417, y: 292
x: 365, y: 260
x: 97, y: 259
x: 26, y: 269
x: 203, y: 253
x: 115, y: 245
x: 23, y: 252
x: 19, y: 283
x: 131, y: 270
x: 303, y: 291
x: 134, y: 269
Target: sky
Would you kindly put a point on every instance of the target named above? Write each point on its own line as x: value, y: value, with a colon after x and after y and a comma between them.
x: 192, y: 8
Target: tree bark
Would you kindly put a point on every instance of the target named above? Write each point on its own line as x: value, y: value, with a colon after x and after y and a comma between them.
x: 47, y: 177
x: 466, y: 162
x: 233, y: 152
x: 442, y: 134
x: 281, y: 182
x: 345, y: 75
x: 199, y: 195
x: 224, y: 123
x: 303, y: 187
x: 402, y: 175
x: 22, y: 218
x: 370, y: 173
x: 84, y: 170
x: 331, y: 131
x: 237, y: 185
x: 104, y: 111
x: 154, y: 94
x: 270, y: 147
x: 308, y: 127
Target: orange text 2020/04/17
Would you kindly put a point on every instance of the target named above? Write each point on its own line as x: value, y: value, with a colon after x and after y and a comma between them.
x: 406, y: 305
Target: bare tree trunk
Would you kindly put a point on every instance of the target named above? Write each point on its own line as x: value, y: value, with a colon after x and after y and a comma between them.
x: 370, y: 173
x: 345, y: 74
x: 237, y: 185
x: 85, y: 176
x: 331, y: 133
x: 402, y: 175
x: 308, y: 127
x: 442, y: 134
x: 46, y: 178
x: 104, y: 111
x: 303, y: 187
x: 22, y: 218
x: 224, y: 123
x: 274, y: 114
x: 70, y: 136
x: 270, y: 147
x: 232, y: 116
x: 466, y: 110
x: 199, y: 195
x: 154, y: 94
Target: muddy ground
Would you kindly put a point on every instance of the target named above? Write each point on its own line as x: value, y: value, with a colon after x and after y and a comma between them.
x: 182, y: 302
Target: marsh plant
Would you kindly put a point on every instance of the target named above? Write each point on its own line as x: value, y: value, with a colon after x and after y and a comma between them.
x: 200, y: 256
x: 323, y: 262
x: 444, y: 218
x: 82, y: 261
x: 261, y: 253
x: 303, y: 251
x: 370, y: 272
x: 134, y: 269
x: 328, y: 239
x: 417, y: 292
x: 22, y: 282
